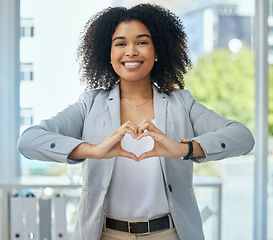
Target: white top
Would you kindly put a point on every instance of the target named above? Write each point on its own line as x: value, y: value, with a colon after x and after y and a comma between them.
x: 137, y: 189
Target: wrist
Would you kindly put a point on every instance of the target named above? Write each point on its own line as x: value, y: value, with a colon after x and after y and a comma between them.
x: 189, y: 153
x: 195, y: 151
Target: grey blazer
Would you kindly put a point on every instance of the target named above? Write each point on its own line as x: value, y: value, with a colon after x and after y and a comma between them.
x: 97, y: 114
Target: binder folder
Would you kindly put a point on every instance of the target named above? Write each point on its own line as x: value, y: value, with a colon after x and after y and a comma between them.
x: 16, y: 218
x: 60, y: 218
x: 45, y: 219
x: 31, y: 231
x: 1, y: 213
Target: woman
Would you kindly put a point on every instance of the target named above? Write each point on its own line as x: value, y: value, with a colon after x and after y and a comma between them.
x: 130, y: 130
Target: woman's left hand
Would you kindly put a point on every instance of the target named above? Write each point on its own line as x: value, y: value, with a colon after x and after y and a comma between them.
x: 163, y: 145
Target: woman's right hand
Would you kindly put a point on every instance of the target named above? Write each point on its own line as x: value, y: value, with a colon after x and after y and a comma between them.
x: 109, y: 147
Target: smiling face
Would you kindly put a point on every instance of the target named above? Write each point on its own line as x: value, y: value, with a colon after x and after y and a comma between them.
x: 132, y: 51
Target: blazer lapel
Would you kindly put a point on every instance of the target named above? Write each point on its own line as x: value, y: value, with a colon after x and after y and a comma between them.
x: 114, y: 107
x: 160, y: 109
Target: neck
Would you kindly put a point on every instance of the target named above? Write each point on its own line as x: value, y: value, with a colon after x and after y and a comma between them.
x: 136, y: 90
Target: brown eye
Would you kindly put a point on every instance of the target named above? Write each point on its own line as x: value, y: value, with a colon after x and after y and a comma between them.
x: 120, y: 44
x: 142, y: 43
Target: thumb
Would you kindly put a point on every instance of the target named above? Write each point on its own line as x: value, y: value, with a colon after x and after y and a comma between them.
x: 127, y: 154
x: 147, y: 155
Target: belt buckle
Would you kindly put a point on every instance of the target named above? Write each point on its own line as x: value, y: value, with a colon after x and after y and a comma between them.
x: 142, y: 221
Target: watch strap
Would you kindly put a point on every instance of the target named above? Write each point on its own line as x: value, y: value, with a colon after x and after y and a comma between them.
x: 190, y: 153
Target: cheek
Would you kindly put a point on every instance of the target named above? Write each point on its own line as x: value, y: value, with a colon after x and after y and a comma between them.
x: 114, y: 54
x: 113, y: 57
x: 151, y: 59
x: 150, y: 53
x: 114, y: 62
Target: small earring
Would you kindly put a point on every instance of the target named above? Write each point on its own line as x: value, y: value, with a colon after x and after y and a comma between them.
x: 156, y: 59
x: 111, y: 63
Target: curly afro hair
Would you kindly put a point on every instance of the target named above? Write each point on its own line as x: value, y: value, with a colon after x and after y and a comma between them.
x: 168, y: 36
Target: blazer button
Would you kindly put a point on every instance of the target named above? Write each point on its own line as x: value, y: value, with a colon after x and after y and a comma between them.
x: 170, y: 188
x: 52, y: 145
x: 223, y: 145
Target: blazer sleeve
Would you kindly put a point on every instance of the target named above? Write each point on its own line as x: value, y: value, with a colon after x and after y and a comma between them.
x: 54, y: 139
x: 218, y: 136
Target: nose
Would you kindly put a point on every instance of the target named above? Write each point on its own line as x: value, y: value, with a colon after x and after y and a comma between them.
x: 131, y: 51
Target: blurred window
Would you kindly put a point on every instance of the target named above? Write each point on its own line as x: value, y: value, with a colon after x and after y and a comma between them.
x: 26, y: 72
x: 27, y: 28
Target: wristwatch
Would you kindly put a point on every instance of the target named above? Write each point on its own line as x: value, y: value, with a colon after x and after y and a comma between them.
x: 190, y: 153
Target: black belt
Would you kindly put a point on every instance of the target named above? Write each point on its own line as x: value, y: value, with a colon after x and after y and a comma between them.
x: 139, y: 227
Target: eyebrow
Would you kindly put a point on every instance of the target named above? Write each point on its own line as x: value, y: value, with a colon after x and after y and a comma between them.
x: 138, y: 36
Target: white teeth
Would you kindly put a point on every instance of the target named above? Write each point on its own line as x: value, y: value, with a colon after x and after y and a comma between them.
x: 131, y: 64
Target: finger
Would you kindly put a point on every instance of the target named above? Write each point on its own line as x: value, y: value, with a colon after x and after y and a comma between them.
x: 157, y: 136
x: 134, y: 134
x: 147, y: 125
x: 130, y: 124
x: 143, y: 134
x: 131, y: 128
x: 121, y: 131
x: 147, y: 155
x: 127, y: 154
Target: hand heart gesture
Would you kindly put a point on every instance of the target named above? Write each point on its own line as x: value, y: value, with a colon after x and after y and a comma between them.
x: 162, y: 146
x: 112, y: 146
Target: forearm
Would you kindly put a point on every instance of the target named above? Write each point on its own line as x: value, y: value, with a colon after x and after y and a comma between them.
x: 82, y: 151
x: 198, y: 152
